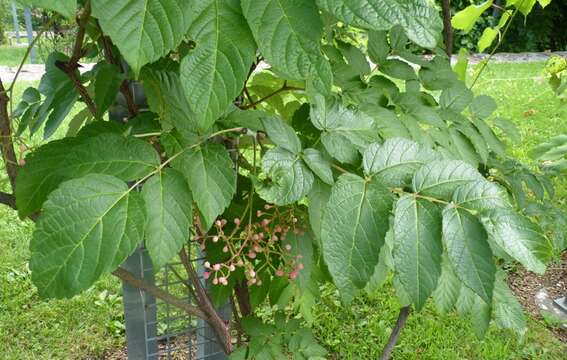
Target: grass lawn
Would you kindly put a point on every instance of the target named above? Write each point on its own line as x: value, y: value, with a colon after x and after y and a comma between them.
x: 85, y: 326
x: 11, y: 55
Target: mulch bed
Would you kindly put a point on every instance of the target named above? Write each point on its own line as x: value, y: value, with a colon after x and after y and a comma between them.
x: 526, y: 284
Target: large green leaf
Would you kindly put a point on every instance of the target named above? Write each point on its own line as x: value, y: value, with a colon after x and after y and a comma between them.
x: 318, y: 199
x: 144, y: 30
x: 440, y: 178
x: 419, y: 18
x: 468, y: 251
x: 290, y: 179
x: 169, y: 207
x: 508, y: 312
x: 480, y: 195
x: 211, y: 177
x: 88, y: 227
x: 66, y: 8
x: 396, y: 160
x: 346, y: 132
x: 213, y: 74
x: 466, y: 18
x: 519, y: 237
x: 126, y: 158
x: 446, y: 294
x: 282, y: 134
x: 166, y: 98
x: 288, y: 34
x: 353, y: 229
x: 106, y: 85
x: 418, y: 248
x: 319, y: 165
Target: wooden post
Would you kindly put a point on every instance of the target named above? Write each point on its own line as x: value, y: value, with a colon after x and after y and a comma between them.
x: 29, y: 29
x: 16, y: 24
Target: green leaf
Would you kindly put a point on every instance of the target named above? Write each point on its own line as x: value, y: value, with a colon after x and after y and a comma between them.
x: 282, y: 134
x: 106, y: 85
x: 509, y: 128
x: 460, y: 67
x: 468, y: 251
x: 418, y: 248
x: 553, y: 149
x: 446, y: 294
x: 126, y: 158
x: 519, y: 237
x: 378, y: 47
x: 480, y: 316
x: 396, y: 161
x: 508, y: 312
x: 143, y: 30
x: 489, y: 137
x: 77, y: 121
x: 419, y: 18
x: 456, y: 98
x: 487, y: 38
x: 466, y: 18
x: 481, y: 194
x: 166, y: 98
x: 88, y: 227
x: 398, y: 69
x: 345, y: 131
x: 60, y: 96
x: 353, y: 229
x: 213, y: 74
x: 482, y: 106
x: 66, y: 8
x: 440, y: 178
x: 290, y: 178
x: 169, y: 207
x: 318, y: 199
x: 211, y: 177
x: 319, y: 165
x: 288, y: 34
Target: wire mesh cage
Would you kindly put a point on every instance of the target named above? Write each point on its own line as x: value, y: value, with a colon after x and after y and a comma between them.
x: 157, y: 330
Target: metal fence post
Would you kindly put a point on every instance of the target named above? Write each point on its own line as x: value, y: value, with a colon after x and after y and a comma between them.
x: 140, y: 313
x: 16, y: 24
x: 29, y: 29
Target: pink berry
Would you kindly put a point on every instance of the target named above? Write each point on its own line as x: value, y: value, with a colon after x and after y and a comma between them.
x: 225, y: 249
x: 279, y: 272
x: 218, y: 223
x: 288, y: 247
x: 252, y: 273
x: 215, y: 239
x: 251, y: 254
x: 232, y: 268
x: 206, y: 275
x: 300, y: 266
x: 240, y: 263
x: 274, y: 238
x: 21, y: 162
x: 258, y: 248
x: 215, y: 281
x: 207, y: 265
x: 223, y: 280
x: 293, y: 275
x: 258, y: 213
x: 237, y: 221
x: 216, y: 267
x: 265, y: 222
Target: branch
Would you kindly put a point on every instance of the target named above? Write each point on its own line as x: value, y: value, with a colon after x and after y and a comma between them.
x: 70, y: 67
x: 6, y: 143
x: 285, y: 87
x: 402, y: 317
x: 107, y: 47
x: 447, y: 26
x: 8, y: 199
x: 153, y: 290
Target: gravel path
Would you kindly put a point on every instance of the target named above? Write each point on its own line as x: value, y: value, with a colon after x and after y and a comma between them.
x: 34, y: 72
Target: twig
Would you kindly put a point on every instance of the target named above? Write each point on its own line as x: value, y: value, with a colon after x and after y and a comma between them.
x: 500, y: 40
x: 285, y: 87
x: 153, y: 290
x: 6, y: 143
x: 70, y: 67
x: 402, y: 317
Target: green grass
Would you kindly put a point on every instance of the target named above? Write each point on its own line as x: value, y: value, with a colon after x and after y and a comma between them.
x: 31, y: 328
x: 11, y: 55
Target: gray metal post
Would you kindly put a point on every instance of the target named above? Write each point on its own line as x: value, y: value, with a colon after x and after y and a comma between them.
x: 140, y: 313
x: 16, y: 24
x: 29, y: 29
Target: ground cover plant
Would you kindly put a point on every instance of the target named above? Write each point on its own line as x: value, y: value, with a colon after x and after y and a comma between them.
x: 318, y: 169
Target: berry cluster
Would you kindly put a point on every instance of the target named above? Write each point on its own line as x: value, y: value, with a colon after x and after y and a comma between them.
x: 257, y: 247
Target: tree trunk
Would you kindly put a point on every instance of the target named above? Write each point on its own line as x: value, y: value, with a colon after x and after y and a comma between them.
x: 447, y: 27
